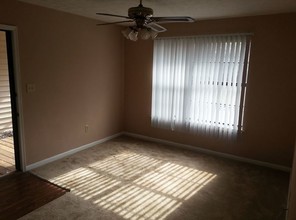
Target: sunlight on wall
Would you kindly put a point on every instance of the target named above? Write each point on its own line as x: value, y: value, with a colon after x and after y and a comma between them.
x: 135, y: 186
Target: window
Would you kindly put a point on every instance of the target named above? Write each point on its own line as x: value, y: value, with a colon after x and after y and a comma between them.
x: 199, y: 83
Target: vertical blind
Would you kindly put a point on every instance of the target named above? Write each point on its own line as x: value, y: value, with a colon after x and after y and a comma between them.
x: 199, y: 83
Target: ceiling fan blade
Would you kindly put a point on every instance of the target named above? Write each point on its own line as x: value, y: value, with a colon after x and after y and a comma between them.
x: 156, y: 27
x: 118, y: 22
x: 119, y: 16
x: 172, y: 19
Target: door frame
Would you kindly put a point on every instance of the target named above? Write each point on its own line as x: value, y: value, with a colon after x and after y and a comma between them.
x: 21, y: 154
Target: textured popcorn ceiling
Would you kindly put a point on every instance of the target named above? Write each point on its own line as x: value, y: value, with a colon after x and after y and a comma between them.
x: 198, y: 9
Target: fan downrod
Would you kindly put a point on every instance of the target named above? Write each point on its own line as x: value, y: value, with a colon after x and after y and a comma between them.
x: 140, y: 12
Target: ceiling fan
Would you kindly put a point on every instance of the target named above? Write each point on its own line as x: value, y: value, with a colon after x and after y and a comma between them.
x: 144, y: 22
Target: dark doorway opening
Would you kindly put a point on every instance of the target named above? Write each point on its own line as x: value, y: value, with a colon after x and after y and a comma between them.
x: 9, y: 145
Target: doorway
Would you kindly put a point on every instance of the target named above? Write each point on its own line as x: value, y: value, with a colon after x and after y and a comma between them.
x: 9, y: 144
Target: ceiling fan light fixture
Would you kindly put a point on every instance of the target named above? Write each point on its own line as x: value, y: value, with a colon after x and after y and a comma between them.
x: 145, y: 34
x: 145, y: 23
x: 126, y: 32
x: 133, y: 35
x: 153, y: 34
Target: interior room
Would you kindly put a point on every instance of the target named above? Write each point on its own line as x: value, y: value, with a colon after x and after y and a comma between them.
x: 82, y: 108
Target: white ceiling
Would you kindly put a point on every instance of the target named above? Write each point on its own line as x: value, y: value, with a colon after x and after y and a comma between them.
x: 198, y: 9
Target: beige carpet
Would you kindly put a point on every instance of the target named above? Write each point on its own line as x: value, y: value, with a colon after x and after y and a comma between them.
x: 131, y: 179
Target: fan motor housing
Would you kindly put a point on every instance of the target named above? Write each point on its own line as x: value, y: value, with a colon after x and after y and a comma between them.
x: 140, y: 12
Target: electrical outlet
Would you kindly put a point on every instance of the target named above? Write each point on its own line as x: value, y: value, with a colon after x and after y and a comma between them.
x: 86, y: 128
x: 30, y: 87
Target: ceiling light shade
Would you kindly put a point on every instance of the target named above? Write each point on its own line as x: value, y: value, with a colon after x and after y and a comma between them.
x: 126, y: 32
x: 133, y: 35
x: 153, y: 34
x: 145, y: 34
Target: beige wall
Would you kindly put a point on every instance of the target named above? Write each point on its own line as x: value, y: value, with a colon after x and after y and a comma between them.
x: 77, y: 68
x: 78, y: 71
x: 271, y: 96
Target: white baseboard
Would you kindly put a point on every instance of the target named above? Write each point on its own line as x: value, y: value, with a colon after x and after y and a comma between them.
x: 210, y: 152
x: 70, y: 152
x: 162, y: 141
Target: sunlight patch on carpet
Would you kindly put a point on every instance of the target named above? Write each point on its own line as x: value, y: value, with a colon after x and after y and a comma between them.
x: 135, y: 186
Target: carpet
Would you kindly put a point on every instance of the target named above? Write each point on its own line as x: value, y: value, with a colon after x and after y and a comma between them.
x: 22, y: 193
x: 130, y: 179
